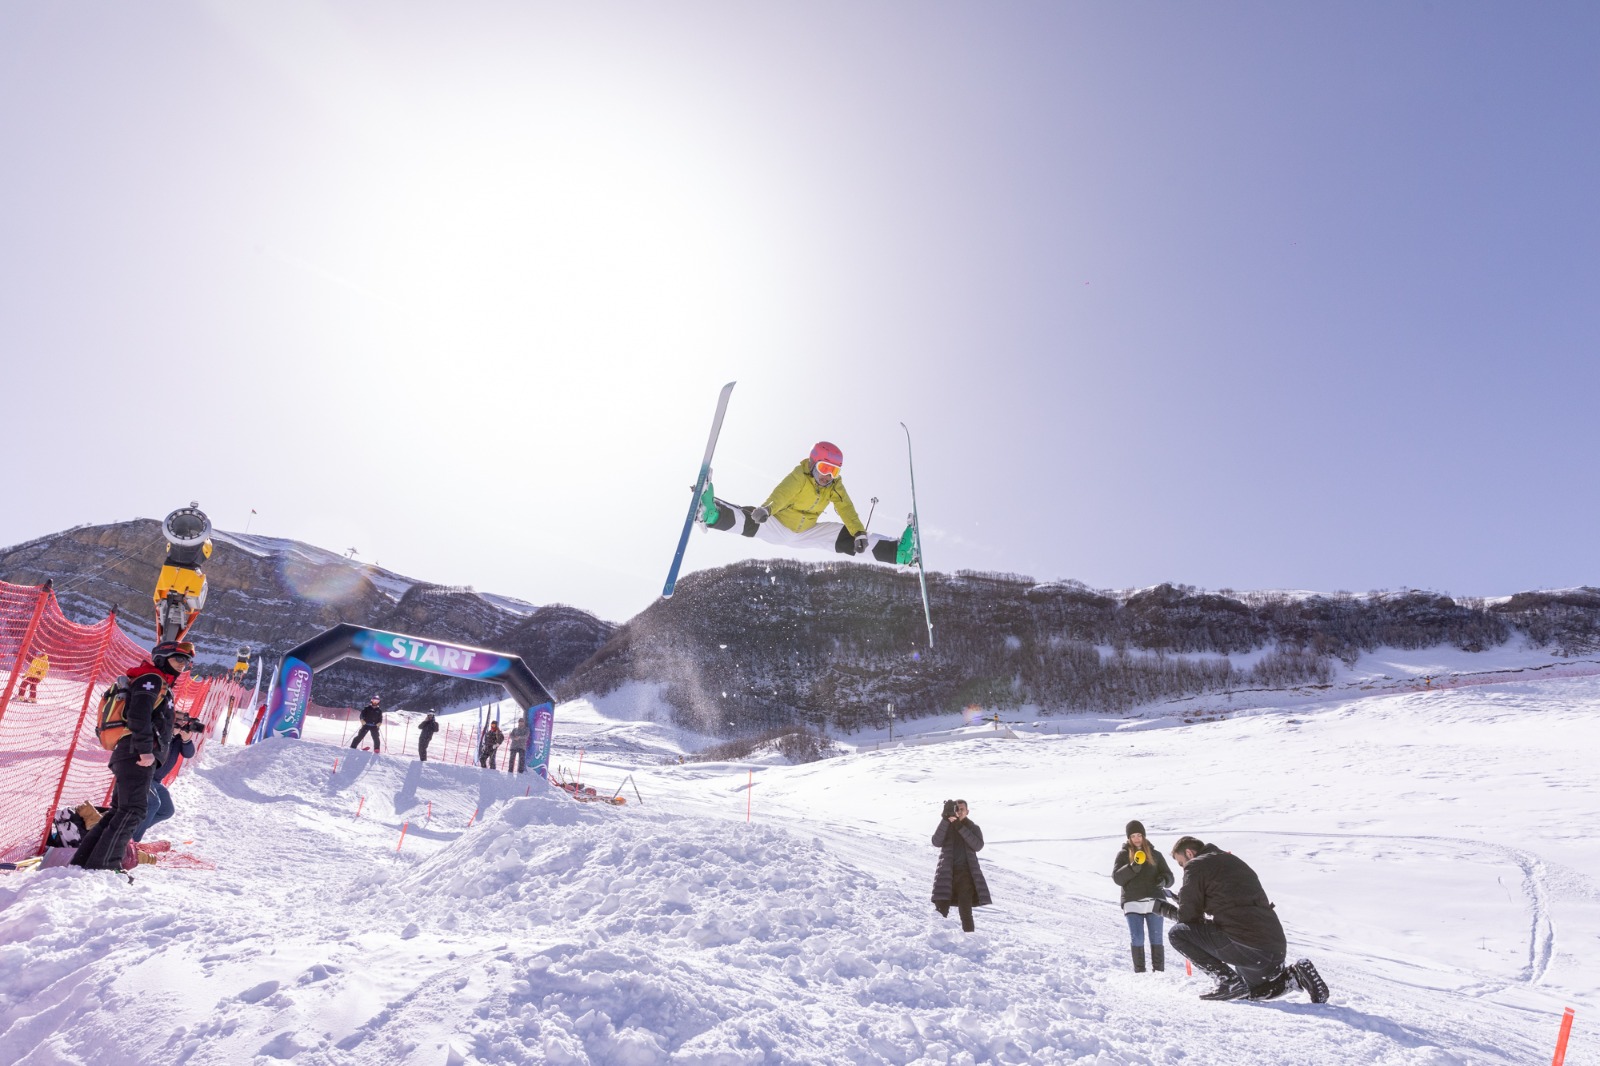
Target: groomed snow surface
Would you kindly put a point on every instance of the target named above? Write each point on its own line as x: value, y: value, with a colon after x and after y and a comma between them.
x: 1434, y: 852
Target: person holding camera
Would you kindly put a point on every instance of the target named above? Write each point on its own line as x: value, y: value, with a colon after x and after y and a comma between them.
x: 1145, y: 877
x: 185, y: 731
x: 958, y: 879
x: 1242, y: 944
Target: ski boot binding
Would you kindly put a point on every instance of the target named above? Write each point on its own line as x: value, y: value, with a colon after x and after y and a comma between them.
x: 709, y: 512
x: 906, y: 553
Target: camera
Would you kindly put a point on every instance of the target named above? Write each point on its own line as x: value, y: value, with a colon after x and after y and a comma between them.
x: 949, y: 809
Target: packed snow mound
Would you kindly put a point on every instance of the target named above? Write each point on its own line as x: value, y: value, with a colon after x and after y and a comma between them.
x: 1428, y: 850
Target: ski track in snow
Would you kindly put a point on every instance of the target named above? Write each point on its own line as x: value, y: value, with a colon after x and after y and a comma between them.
x: 674, y: 932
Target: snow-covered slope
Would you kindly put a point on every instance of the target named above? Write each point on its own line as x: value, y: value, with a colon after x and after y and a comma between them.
x: 1432, y: 851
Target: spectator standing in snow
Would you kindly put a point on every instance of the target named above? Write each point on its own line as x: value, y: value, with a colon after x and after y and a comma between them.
x: 425, y: 732
x: 28, y: 688
x: 491, y: 743
x: 517, y: 749
x: 371, y: 722
x: 135, y: 761
x: 958, y: 880
x: 161, y: 806
x: 1242, y: 944
x: 1145, y: 877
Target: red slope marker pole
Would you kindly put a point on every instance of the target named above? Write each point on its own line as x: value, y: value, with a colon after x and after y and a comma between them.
x: 1561, y: 1041
x: 403, y: 829
x: 474, y: 817
x: 430, y: 813
x: 335, y: 767
x: 1188, y: 971
x: 360, y: 805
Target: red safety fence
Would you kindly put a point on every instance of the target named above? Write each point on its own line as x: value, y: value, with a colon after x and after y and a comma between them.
x: 52, y: 671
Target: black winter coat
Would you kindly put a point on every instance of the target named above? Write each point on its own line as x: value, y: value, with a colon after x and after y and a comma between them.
x: 371, y: 715
x: 429, y: 726
x: 1222, y: 886
x: 962, y: 839
x: 148, y: 712
x: 1146, y: 880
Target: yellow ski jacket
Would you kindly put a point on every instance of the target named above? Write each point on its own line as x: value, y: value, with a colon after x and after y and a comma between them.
x: 799, y: 501
x: 39, y: 667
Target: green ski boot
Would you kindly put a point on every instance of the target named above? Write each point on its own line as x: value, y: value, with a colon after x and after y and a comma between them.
x: 906, y: 553
x: 709, y: 512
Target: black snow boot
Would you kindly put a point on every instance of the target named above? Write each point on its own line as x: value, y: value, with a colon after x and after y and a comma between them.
x: 1231, y: 986
x: 1306, y: 976
x: 1273, y: 987
x: 1158, y: 957
x: 1138, y: 958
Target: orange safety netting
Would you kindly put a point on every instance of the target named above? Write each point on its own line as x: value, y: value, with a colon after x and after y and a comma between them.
x: 49, y: 754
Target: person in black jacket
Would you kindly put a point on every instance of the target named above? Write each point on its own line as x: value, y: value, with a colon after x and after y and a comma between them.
x: 1242, y: 944
x: 958, y: 880
x: 425, y: 732
x: 371, y: 722
x: 1145, y: 877
x: 161, y: 807
x: 135, y: 760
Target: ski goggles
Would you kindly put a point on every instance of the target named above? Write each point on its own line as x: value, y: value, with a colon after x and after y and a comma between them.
x: 830, y: 469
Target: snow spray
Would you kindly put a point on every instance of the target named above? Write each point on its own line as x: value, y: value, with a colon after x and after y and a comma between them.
x: 1561, y: 1040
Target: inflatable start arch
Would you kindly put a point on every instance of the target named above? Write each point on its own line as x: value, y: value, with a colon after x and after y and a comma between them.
x: 291, y: 682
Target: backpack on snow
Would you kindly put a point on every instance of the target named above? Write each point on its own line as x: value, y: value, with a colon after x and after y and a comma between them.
x: 111, y: 723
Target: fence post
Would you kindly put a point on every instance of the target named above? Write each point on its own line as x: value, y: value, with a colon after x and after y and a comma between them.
x: 83, y: 712
x: 46, y: 592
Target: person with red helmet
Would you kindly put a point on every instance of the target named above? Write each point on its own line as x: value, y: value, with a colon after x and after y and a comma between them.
x: 791, y: 512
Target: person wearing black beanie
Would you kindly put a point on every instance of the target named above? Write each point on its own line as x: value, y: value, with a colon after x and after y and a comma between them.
x: 1145, y: 877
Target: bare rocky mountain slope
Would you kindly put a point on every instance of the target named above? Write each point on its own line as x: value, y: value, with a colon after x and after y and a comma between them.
x: 271, y: 594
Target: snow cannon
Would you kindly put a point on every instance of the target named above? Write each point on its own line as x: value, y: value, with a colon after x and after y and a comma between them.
x: 181, y: 587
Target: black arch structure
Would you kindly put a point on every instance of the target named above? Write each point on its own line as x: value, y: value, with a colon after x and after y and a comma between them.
x: 291, y: 682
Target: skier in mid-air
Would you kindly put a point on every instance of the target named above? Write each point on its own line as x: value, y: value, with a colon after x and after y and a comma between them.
x: 790, y: 513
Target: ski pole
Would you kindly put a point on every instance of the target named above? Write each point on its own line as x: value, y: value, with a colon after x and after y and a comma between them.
x: 874, y: 507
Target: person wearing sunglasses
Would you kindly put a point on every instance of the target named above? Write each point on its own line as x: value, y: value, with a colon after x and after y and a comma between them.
x: 791, y: 513
x: 138, y: 757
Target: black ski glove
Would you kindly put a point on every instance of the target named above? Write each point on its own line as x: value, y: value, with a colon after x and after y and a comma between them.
x: 759, y: 515
x: 861, y: 543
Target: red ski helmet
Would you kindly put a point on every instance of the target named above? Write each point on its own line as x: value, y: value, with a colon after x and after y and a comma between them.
x: 826, y: 452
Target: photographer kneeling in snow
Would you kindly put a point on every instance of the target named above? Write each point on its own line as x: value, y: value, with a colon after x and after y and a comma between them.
x: 958, y: 879
x: 1242, y: 944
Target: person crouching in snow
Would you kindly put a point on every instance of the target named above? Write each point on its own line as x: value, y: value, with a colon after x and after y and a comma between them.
x: 1242, y: 944
x: 958, y: 880
x: 791, y: 511
x: 1145, y: 877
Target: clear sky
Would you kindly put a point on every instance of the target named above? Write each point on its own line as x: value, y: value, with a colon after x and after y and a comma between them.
x: 1239, y: 295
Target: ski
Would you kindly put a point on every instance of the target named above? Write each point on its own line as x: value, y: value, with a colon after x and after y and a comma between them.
x: 699, y: 487
x: 916, y: 537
